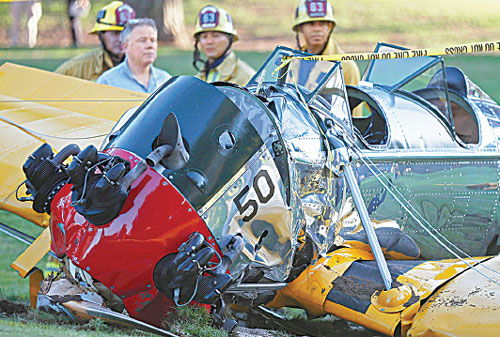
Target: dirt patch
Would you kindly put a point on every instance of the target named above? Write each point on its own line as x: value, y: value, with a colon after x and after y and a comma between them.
x: 356, y: 287
x: 10, y: 308
x: 248, y: 332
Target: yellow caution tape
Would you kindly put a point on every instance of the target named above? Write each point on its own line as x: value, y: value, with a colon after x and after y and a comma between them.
x: 477, y: 47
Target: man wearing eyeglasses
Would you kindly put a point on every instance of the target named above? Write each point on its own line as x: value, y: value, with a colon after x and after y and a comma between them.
x: 110, y: 21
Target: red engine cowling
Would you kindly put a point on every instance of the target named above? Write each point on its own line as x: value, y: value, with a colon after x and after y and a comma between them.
x: 122, y: 254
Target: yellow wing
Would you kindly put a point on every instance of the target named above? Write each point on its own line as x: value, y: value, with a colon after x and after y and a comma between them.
x: 37, y: 106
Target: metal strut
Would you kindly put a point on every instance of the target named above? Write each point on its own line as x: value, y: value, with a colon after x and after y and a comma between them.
x: 367, y: 225
x: 341, y: 164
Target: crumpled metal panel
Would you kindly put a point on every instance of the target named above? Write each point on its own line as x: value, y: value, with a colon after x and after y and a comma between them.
x: 312, y: 202
x: 250, y: 205
x: 315, y: 189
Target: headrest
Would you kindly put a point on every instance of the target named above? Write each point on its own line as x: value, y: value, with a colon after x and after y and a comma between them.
x: 455, y: 79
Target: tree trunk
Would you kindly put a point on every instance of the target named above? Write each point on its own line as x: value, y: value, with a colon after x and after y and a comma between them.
x: 173, y: 21
x: 169, y: 18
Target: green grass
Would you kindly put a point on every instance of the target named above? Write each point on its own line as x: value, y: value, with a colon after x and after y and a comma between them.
x: 12, y: 286
x: 192, y: 321
x: 36, y: 323
x: 175, y: 61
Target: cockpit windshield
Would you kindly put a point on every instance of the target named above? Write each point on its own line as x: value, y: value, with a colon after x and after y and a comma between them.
x: 310, y: 77
x: 423, y: 78
x: 444, y: 90
x: 316, y: 82
x: 394, y: 73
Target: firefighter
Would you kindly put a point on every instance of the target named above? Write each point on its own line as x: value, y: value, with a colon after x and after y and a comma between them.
x: 314, y: 20
x: 215, y: 34
x: 109, y: 23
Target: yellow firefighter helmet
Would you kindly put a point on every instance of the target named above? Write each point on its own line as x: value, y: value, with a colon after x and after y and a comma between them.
x: 313, y: 10
x: 113, y: 17
x: 213, y: 19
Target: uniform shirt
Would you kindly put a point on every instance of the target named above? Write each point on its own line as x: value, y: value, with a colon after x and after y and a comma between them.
x: 232, y: 70
x: 88, y: 66
x: 122, y: 77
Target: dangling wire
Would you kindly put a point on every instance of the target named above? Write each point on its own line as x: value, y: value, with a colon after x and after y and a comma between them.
x: 17, y: 194
x: 90, y: 169
x: 195, y: 290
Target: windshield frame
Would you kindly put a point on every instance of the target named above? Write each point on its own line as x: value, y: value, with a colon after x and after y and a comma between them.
x: 309, y: 95
x: 433, y: 60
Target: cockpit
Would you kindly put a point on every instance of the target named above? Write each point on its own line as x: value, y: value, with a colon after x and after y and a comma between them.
x: 438, y: 89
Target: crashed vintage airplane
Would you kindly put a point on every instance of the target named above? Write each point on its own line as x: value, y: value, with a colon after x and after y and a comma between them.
x: 273, y: 195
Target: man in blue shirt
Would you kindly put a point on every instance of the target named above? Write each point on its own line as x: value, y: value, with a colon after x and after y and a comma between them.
x: 136, y: 72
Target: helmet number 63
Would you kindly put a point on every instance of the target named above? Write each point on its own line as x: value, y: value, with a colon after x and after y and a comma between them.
x: 262, y: 177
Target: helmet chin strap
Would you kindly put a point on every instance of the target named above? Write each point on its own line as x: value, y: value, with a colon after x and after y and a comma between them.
x: 116, y: 59
x: 297, y: 39
x: 197, y: 56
